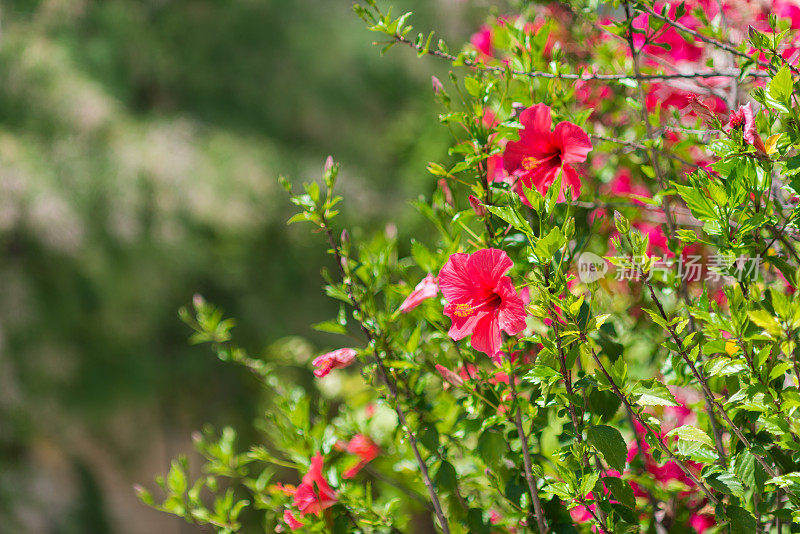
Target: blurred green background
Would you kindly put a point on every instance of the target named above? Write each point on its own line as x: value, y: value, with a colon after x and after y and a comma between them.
x: 140, y: 143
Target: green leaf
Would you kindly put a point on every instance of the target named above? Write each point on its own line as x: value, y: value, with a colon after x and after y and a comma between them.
x: 698, y: 202
x: 725, y: 482
x: 651, y: 392
x: 691, y: 433
x: 511, y: 217
x: 547, y: 246
x: 542, y: 374
x: 765, y: 320
x: 492, y: 446
x: 330, y: 327
x: 781, y: 86
x: 609, y: 441
x: 446, y: 476
x: 745, y: 468
x: 603, y: 403
x: 621, y: 490
x: 472, y: 85
x: 741, y: 521
x: 430, y: 438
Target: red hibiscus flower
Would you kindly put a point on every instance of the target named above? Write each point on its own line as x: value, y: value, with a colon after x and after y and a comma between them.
x: 314, y: 494
x: 426, y: 289
x: 534, y: 160
x: 291, y: 520
x: 365, y: 449
x: 702, y: 522
x: 482, y: 41
x: 742, y: 119
x: 333, y: 360
x: 481, y: 300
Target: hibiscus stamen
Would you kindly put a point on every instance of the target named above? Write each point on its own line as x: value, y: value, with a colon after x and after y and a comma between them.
x: 463, y: 310
x: 530, y: 163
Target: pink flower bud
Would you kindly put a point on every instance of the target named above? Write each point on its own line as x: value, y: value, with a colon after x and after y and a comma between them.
x: 448, y: 196
x: 449, y: 376
x: 437, y: 85
x: 477, y: 207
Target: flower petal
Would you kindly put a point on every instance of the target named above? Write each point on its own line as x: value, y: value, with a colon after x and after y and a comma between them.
x: 574, y: 143
x: 455, y: 281
x: 511, y: 315
x: 462, y: 325
x: 486, y: 335
x: 537, y: 124
x: 426, y: 289
x: 569, y: 179
x: 487, y: 266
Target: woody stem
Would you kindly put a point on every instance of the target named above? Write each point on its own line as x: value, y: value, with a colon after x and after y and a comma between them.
x: 668, y: 215
x: 633, y: 413
x: 530, y: 478
x: 386, y: 377
x: 704, y: 383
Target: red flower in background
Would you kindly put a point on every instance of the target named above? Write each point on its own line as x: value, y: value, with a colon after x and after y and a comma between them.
x: 314, y: 494
x: 365, y: 449
x: 788, y: 10
x: 742, y: 119
x: 333, y: 360
x: 426, y: 289
x: 540, y: 153
x: 291, y: 520
x: 482, y: 40
x: 481, y: 300
x: 621, y: 186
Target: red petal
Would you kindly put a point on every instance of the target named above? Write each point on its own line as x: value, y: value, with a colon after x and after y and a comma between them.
x: 487, y: 266
x: 486, y: 335
x: 574, y: 143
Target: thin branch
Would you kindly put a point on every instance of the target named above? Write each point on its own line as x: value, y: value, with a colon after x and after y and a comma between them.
x: 728, y: 47
x: 649, y: 129
x: 568, y: 76
x: 412, y: 439
x: 668, y: 214
x: 664, y: 447
x: 704, y: 383
x: 640, y: 146
x: 526, y: 458
x: 566, y: 374
x: 594, y: 515
x: 398, y: 485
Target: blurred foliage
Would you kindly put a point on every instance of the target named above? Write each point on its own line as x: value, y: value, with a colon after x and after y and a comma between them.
x: 140, y: 142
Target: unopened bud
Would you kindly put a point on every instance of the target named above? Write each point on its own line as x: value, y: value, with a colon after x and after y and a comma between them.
x: 622, y: 223
x: 437, y: 85
x: 345, y: 237
x: 755, y: 36
x: 702, y: 109
x: 448, y: 195
x: 328, y: 164
x: 477, y: 207
x: 449, y: 376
